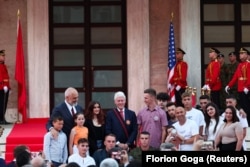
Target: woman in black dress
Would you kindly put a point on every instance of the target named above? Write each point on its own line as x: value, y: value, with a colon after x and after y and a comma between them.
x: 95, y: 122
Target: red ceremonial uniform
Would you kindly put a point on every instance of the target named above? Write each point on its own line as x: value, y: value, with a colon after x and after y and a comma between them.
x: 242, y: 74
x: 180, y: 74
x: 213, y: 75
x: 4, y: 76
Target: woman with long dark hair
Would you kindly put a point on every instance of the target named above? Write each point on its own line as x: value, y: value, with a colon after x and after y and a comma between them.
x: 95, y: 122
x: 230, y: 134
x: 213, y: 121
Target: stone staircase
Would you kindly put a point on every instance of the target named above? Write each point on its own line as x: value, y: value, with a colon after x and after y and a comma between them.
x: 6, y: 131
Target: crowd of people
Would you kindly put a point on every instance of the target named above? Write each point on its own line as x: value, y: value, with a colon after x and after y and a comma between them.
x: 97, y: 139
x: 92, y: 138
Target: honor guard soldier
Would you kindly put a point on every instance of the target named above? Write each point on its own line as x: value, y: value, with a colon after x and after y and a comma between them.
x: 4, y: 86
x: 179, y: 79
x: 213, y: 82
x: 232, y: 67
x: 242, y: 75
x: 224, y: 79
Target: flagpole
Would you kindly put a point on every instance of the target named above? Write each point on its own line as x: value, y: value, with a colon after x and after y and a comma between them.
x: 172, y: 16
x: 18, y: 15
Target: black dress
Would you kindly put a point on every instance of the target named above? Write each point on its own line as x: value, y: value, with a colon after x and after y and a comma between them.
x: 95, y: 135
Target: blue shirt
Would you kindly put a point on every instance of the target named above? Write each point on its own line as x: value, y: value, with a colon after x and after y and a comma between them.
x: 55, y: 149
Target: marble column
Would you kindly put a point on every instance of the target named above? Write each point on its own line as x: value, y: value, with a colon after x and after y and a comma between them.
x: 138, y: 51
x: 190, y: 40
x: 38, y: 58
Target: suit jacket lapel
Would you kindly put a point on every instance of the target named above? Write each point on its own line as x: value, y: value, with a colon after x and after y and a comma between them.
x: 66, y: 108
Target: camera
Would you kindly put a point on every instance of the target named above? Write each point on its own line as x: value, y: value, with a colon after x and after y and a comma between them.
x: 207, y: 146
x: 173, y: 131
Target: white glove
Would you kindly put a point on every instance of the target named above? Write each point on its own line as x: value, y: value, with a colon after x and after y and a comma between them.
x: 178, y: 87
x: 245, y: 90
x: 204, y: 87
x: 5, y: 89
x: 226, y: 89
x: 169, y: 86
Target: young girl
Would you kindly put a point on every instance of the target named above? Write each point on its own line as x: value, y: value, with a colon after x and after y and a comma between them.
x: 77, y: 132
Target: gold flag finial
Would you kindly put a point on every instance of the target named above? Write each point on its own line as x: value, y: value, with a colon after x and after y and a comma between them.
x: 18, y: 13
x: 172, y: 16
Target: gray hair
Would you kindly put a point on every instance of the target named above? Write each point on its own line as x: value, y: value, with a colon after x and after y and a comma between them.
x: 69, y: 91
x: 119, y: 94
x: 109, y: 162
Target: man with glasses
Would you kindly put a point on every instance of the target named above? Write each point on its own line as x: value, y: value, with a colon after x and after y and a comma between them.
x: 101, y: 154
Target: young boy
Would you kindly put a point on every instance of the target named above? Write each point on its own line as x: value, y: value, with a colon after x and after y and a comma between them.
x: 55, y: 150
x: 82, y: 158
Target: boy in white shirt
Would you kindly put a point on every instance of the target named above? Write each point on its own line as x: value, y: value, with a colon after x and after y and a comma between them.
x: 82, y: 158
x: 191, y: 113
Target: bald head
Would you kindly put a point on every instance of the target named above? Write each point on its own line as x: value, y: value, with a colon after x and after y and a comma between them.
x: 180, y: 113
x: 38, y: 162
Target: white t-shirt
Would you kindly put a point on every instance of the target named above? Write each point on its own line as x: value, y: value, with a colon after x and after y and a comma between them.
x: 187, y: 130
x: 83, y: 162
x: 196, y: 115
x: 211, y: 135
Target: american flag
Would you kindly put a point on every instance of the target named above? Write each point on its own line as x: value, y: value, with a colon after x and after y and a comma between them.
x: 171, y: 61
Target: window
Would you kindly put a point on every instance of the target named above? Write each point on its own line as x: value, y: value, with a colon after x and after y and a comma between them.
x: 88, y: 49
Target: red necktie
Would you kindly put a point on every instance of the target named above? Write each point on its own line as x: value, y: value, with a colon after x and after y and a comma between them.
x: 122, y: 115
x: 72, y: 111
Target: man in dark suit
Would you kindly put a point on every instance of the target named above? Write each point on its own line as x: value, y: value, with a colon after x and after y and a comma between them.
x: 122, y: 122
x: 66, y: 110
